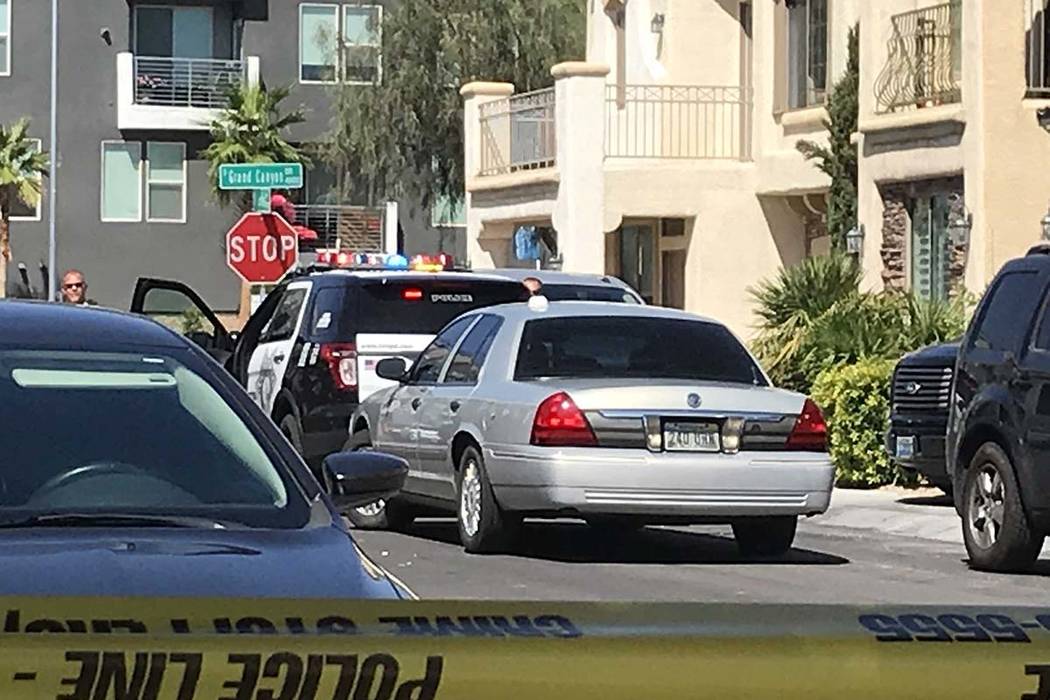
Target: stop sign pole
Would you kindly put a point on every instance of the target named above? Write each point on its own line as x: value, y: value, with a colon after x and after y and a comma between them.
x: 261, y: 248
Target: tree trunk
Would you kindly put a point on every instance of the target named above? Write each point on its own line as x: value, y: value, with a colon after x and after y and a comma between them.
x: 5, y: 240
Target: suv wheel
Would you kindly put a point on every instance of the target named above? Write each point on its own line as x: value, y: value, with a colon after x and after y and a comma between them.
x: 381, y: 515
x: 765, y: 536
x: 483, y: 526
x: 290, y: 429
x: 995, y: 527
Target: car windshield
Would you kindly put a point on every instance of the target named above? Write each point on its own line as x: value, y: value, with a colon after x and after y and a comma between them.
x: 128, y: 433
x: 632, y: 347
x: 587, y: 292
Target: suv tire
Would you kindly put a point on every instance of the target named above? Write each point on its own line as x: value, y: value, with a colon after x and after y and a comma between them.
x: 765, y: 536
x: 483, y: 526
x: 391, y: 514
x: 996, y: 531
x: 290, y: 429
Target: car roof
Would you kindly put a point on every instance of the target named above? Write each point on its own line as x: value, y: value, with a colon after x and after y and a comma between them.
x: 408, y: 275
x: 557, y: 276
x: 520, y: 312
x: 44, y: 325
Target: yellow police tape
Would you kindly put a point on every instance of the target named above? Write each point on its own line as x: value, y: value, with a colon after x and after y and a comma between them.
x: 161, y: 649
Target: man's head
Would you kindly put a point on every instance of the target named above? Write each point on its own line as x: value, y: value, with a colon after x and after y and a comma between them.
x: 74, y: 288
x: 533, y: 285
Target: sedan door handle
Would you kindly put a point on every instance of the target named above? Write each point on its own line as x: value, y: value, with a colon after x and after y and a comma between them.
x: 415, y: 403
x: 453, y: 406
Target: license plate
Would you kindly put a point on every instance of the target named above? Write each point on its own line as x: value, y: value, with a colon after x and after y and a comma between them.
x: 691, y: 437
x: 905, y: 447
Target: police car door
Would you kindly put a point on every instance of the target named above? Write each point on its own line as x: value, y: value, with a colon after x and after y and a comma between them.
x: 269, y: 361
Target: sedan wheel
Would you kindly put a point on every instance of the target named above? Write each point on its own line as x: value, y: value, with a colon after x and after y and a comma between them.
x: 483, y: 525
x: 380, y: 515
x: 470, y: 499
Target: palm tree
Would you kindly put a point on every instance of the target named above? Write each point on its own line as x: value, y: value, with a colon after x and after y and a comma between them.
x: 252, y: 129
x: 22, y: 166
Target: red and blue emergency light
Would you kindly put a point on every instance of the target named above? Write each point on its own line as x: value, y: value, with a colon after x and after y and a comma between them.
x: 385, y: 261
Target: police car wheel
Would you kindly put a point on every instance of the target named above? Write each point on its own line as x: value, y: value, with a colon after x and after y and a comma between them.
x: 290, y: 429
x: 765, y: 536
x: 381, y: 515
x: 483, y: 526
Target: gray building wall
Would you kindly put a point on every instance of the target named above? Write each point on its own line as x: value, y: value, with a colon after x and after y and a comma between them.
x: 113, y: 255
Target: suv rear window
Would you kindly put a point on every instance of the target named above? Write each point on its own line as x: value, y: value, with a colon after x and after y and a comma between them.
x: 633, y: 347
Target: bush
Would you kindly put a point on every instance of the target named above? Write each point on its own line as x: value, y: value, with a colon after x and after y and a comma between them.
x: 855, y: 399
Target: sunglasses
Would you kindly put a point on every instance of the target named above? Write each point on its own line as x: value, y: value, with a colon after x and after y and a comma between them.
x: 74, y: 285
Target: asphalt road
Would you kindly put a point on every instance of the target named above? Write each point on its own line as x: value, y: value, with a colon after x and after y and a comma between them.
x: 565, y: 560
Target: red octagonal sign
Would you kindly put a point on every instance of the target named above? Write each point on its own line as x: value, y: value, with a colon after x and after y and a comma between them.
x: 262, y: 247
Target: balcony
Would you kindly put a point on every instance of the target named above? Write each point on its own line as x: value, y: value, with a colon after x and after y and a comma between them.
x: 183, y: 94
x: 341, y: 227
x: 517, y: 133
x: 924, y: 64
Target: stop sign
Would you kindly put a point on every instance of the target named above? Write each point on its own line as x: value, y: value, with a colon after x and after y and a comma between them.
x: 262, y: 247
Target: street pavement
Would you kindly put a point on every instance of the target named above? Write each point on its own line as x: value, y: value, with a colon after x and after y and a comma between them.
x: 872, y: 547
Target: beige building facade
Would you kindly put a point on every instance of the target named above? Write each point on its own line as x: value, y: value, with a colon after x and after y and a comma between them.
x: 668, y: 157
x: 953, y: 153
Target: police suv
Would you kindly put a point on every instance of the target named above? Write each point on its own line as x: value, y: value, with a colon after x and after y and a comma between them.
x: 308, y: 353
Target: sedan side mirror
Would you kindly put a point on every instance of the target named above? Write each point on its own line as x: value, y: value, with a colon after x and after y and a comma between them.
x: 392, y: 368
x: 355, y: 479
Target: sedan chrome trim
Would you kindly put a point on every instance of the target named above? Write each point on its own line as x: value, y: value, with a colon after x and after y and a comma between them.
x: 626, y: 413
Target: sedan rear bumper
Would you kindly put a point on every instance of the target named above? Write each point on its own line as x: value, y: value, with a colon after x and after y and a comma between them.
x: 638, y: 482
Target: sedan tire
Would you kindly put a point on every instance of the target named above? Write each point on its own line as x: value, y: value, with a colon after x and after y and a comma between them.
x: 381, y: 515
x: 765, y: 536
x: 996, y: 531
x: 483, y: 526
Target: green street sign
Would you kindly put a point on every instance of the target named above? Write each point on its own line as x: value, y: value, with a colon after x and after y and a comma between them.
x: 261, y: 176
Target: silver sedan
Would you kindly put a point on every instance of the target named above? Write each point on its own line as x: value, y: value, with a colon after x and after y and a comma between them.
x: 621, y: 415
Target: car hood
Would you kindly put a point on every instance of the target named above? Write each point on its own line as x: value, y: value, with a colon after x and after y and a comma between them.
x: 317, y: 562
x: 942, y: 355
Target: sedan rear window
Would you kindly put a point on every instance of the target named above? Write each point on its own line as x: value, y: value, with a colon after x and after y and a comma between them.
x: 632, y: 347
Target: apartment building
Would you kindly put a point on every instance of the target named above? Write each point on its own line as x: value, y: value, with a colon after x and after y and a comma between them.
x: 139, y: 81
x: 669, y: 156
x: 953, y: 140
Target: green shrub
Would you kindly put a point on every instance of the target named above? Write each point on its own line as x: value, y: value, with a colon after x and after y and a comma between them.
x: 855, y: 401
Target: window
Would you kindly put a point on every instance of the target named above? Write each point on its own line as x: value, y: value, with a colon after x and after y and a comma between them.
x: 807, y: 52
x: 20, y: 210
x: 166, y: 182
x: 5, y: 37
x: 340, y: 42
x: 424, y: 305
x: 633, y: 347
x: 285, y: 318
x: 443, y: 212
x: 362, y: 43
x: 428, y: 367
x: 165, y: 32
x: 121, y: 181
x: 1007, y: 312
x: 1042, y: 340
x: 930, y: 250
x: 1037, y: 43
x: 469, y: 358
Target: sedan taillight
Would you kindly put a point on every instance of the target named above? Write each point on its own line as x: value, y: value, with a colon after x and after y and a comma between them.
x: 810, y: 433
x: 342, y: 363
x: 560, y: 423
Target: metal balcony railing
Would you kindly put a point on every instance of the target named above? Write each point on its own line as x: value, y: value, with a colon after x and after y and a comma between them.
x: 1037, y: 48
x: 924, y: 68
x: 678, y: 121
x: 203, y: 83
x: 517, y: 133
x: 342, y: 227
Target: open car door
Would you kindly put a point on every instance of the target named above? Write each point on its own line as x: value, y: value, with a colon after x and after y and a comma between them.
x: 182, y: 309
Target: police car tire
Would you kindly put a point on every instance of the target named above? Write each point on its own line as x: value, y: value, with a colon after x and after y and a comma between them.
x: 765, y: 536
x: 395, y: 515
x: 496, y: 529
x: 290, y: 429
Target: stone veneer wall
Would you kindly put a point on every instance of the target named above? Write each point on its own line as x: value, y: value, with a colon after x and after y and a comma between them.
x: 896, y: 230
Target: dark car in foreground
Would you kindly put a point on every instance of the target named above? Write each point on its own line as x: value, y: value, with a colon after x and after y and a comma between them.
x: 919, y: 405
x: 133, y: 465
x: 999, y: 432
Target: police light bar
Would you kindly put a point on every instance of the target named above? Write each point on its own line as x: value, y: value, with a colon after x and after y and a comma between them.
x: 385, y: 261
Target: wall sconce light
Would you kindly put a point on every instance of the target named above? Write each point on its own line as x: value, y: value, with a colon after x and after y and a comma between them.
x: 855, y: 240
x: 1042, y: 116
x: 658, y: 22
x: 959, y: 229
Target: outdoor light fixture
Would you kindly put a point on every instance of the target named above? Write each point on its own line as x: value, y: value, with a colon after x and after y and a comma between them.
x: 959, y: 229
x: 658, y: 23
x: 855, y: 240
x: 1046, y: 226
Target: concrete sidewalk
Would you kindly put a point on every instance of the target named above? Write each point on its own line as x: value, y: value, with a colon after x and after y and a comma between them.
x: 922, y: 513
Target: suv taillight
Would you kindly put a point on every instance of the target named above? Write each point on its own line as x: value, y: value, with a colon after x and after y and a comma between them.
x: 559, y: 423
x: 342, y: 363
x: 810, y: 433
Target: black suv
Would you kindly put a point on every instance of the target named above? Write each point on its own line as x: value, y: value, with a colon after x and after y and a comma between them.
x: 999, y: 431
x: 920, y: 401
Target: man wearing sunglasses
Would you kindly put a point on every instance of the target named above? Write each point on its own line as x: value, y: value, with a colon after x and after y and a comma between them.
x: 74, y: 289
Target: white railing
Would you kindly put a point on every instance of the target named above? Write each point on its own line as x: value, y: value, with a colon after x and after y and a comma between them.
x: 203, y: 83
x: 517, y: 133
x: 678, y: 121
x: 342, y: 227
